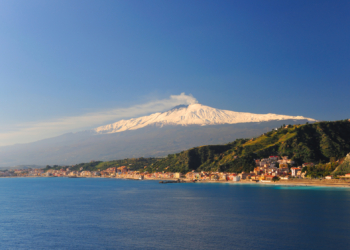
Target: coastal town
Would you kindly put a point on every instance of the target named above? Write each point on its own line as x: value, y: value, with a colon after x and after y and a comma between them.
x: 271, y: 169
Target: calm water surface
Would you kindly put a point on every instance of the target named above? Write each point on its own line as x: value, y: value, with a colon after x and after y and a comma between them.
x: 63, y: 213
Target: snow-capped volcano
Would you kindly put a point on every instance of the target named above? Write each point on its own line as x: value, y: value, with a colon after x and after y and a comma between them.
x: 196, y: 125
x: 194, y: 114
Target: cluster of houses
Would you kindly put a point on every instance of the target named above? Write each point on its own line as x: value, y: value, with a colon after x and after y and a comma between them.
x: 265, y: 171
x: 22, y: 173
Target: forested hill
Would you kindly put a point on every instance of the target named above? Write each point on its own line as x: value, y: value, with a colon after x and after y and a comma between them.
x: 317, y: 142
x: 131, y: 163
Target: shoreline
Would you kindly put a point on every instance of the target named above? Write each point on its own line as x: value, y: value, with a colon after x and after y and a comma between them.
x: 300, y: 184
x: 291, y: 183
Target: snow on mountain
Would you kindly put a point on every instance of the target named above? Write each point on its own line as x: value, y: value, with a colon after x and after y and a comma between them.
x: 194, y: 114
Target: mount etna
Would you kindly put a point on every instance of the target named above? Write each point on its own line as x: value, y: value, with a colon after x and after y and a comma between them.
x: 155, y: 135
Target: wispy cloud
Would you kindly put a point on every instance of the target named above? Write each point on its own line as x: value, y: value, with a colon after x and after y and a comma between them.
x: 29, y: 132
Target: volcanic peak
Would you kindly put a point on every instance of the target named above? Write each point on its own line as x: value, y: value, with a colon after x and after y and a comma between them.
x: 193, y: 114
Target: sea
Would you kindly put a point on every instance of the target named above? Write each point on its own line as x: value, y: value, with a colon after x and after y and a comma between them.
x: 104, y: 213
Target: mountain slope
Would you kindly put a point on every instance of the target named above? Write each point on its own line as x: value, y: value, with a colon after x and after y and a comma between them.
x: 156, y: 135
x: 194, y: 114
x: 302, y: 143
x: 344, y: 168
x: 150, y: 141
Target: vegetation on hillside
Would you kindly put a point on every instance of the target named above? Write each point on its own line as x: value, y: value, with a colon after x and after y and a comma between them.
x: 320, y: 169
x: 343, y: 168
x: 132, y: 164
x: 322, y: 143
x: 318, y: 142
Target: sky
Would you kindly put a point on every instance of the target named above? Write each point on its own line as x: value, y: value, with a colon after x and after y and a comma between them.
x: 67, y: 66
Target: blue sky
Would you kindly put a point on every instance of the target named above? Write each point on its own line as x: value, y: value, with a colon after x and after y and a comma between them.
x: 62, y: 59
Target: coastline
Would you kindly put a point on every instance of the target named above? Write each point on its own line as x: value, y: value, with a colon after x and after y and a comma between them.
x: 301, y: 183
x: 293, y: 182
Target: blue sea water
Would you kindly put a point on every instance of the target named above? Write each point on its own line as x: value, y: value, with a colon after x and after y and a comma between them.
x: 64, y: 213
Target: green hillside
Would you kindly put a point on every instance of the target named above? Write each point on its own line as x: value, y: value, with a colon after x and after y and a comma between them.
x: 344, y: 168
x: 317, y: 142
x: 131, y: 163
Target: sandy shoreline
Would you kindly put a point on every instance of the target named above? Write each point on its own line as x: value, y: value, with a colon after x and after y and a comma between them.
x: 292, y: 182
x: 295, y: 182
x: 302, y: 183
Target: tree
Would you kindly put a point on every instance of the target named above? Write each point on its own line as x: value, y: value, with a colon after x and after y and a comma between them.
x: 275, y: 178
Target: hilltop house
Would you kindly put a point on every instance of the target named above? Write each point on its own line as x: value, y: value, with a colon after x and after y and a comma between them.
x: 308, y: 164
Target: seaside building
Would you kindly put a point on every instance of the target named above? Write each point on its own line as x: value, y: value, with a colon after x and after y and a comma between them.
x: 122, y: 169
x: 345, y: 176
x: 214, y: 177
x: 85, y: 174
x: 236, y: 178
x: 284, y: 177
x: 177, y: 175
x: 295, y: 171
x: 243, y: 175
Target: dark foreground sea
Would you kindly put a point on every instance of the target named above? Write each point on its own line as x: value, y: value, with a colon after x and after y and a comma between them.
x: 63, y: 213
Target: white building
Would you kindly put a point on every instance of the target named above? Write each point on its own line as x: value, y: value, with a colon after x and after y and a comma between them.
x: 295, y: 171
x: 236, y: 178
